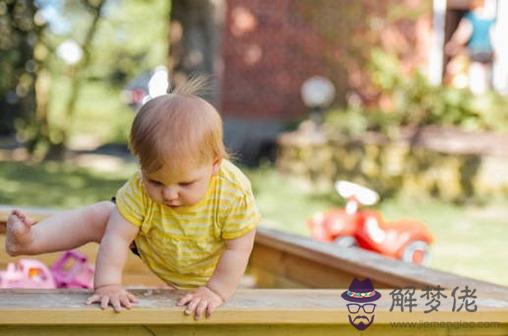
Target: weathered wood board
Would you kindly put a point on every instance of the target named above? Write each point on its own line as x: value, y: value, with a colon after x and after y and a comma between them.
x: 250, y: 312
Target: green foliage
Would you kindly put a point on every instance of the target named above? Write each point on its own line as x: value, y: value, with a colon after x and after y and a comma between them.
x: 85, y: 99
x: 413, y: 101
x: 349, y: 122
x: 18, y: 32
x: 100, y: 113
x: 133, y: 37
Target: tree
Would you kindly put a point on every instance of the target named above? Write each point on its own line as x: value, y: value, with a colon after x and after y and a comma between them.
x: 18, y: 34
x: 194, y: 39
x: 95, y: 9
x: 112, y: 36
x: 53, y: 142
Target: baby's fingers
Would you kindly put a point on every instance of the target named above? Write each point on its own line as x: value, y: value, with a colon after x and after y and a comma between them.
x: 115, y: 302
x: 200, y: 309
x: 94, y: 298
x: 132, y: 297
x: 104, y: 302
x: 191, y: 307
x: 211, y: 308
x: 184, y: 300
x: 124, y: 300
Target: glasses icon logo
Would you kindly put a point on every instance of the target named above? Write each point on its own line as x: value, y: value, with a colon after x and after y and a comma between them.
x: 354, y: 308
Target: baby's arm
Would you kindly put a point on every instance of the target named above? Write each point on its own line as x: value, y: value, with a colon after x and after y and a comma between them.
x: 111, y: 259
x: 232, y: 265
x: 225, y: 278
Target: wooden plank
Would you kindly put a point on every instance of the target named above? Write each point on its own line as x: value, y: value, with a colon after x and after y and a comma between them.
x: 267, y: 279
x: 384, y: 272
x: 278, y: 269
x: 249, y: 312
x: 11, y: 330
x: 246, y: 307
x: 244, y: 330
x: 248, y: 330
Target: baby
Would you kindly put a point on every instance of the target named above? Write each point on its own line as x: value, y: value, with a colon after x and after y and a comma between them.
x: 189, y: 213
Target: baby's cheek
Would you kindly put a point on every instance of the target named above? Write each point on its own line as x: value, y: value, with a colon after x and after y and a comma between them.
x: 153, y: 194
x: 191, y: 199
x: 195, y: 197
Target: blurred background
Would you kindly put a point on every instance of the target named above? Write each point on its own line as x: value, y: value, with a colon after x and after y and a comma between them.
x: 406, y: 97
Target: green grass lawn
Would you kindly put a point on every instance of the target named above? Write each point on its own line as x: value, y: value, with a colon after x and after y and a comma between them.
x: 470, y: 240
x: 57, y: 185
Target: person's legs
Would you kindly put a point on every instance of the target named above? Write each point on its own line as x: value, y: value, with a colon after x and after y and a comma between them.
x: 478, y: 78
x: 488, y: 75
x: 64, y: 231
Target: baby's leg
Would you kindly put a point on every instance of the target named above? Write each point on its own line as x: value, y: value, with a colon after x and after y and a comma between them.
x: 64, y: 231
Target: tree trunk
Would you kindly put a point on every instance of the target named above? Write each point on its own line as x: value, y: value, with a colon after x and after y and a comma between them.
x: 17, y: 98
x: 195, y: 31
x: 57, y: 150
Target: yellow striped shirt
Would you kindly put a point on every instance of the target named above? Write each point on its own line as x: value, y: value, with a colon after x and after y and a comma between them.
x: 183, y: 245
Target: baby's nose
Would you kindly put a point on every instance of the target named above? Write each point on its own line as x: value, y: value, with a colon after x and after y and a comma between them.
x: 170, y: 194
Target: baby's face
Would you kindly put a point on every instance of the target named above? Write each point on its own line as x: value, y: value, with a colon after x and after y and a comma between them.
x: 180, y: 189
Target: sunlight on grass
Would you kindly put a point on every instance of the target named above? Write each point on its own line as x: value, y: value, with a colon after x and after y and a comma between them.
x: 57, y: 185
x: 469, y: 240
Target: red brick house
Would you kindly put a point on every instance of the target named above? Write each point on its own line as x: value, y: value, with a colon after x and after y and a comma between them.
x: 264, y: 50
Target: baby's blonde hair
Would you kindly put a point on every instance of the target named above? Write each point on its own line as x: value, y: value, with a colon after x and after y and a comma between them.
x: 177, y: 129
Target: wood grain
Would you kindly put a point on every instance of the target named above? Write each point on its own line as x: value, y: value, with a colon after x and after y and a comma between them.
x: 317, y: 264
x: 247, y: 306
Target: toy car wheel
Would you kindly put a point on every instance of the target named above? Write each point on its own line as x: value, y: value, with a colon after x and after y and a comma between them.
x: 416, y: 252
x: 345, y: 241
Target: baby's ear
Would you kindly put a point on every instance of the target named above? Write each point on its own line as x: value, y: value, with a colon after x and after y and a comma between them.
x: 216, y: 166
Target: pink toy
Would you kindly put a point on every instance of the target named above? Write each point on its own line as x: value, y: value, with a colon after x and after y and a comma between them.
x: 80, y: 275
x: 27, y: 273
x: 31, y: 273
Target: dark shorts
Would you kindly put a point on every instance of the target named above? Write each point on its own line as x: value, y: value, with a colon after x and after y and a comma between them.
x: 132, y: 246
x: 484, y: 57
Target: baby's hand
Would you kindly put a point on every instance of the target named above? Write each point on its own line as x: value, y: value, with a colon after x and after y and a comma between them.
x: 114, y: 295
x: 200, y: 300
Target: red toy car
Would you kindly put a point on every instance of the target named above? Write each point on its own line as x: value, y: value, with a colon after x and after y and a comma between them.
x: 405, y: 239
